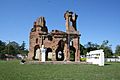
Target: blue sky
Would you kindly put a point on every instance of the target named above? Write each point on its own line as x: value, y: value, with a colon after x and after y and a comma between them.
x: 98, y: 20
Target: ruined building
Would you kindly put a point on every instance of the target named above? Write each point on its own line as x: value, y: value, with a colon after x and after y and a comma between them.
x: 59, y: 45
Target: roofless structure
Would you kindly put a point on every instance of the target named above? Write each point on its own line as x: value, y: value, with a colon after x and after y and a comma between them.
x: 60, y: 46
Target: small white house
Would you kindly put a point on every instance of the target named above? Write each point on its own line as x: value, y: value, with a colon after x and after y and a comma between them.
x: 95, y: 57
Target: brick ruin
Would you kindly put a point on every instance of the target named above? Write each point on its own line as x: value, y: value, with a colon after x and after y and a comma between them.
x: 56, y: 41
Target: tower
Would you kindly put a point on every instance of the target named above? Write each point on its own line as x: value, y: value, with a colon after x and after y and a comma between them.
x: 72, y: 34
x: 37, y: 34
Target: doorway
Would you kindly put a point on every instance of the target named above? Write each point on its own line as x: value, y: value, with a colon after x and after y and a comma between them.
x: 36, y: 51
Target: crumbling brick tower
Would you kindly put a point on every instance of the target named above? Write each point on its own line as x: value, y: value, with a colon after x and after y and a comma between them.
x: 37, y: 34
x: 73, y: 34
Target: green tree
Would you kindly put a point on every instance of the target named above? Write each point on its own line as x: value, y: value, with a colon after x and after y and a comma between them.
x: 13, y: 48
x: 83, y: 50
x: 2, y: 49
x: 91, y: 46
x: 107, y: 48
x: 14, y: 44
x: 22, y: 49
x: 2, y: 46
x: 117, y: 50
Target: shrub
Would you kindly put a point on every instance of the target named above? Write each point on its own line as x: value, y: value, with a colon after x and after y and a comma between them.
x: 82, y: 59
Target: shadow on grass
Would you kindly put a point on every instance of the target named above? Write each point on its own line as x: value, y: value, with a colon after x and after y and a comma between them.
x: 107, y: 64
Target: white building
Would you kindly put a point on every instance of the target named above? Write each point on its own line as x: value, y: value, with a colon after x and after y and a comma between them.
x: 95, y: 57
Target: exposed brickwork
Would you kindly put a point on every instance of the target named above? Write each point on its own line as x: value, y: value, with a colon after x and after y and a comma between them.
x: 55, y: 40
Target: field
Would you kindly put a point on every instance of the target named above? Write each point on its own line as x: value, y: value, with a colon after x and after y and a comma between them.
x: 12, y: 70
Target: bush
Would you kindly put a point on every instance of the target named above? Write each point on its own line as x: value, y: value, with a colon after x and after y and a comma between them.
x: 82, y: 59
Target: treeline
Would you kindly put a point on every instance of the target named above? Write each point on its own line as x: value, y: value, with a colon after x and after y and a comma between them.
x: 105, y: 46
x: 12, y: 48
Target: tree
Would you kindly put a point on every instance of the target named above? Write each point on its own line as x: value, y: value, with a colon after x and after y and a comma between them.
x: 2, y: 46
x: 13, y: 48
x: 117, y: 50
x: 2, y: 49
x: 108, y: 51
x: 14, y: 44
x: 107, y: 48
x: 22, y: 49
x: 91, y: 46
x: 83, y: 50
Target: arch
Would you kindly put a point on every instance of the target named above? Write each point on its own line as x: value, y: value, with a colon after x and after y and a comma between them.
x: 59, y: 51
x: 35, y: 48
x: 47, y: 53
x: 36, y: 40
x: 72, y: 53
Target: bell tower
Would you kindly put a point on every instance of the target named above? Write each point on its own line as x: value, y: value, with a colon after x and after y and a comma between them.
x: 72, y: 35
x: 70, y: 18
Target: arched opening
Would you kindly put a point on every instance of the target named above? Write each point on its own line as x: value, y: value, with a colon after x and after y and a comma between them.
x: 72, y: 53
x: 59, y: 51
x: 48, y: 54
x: 35, y: 51
x: 36, y: 40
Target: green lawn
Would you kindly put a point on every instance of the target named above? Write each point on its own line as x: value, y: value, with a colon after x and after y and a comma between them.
x: 12, y: 70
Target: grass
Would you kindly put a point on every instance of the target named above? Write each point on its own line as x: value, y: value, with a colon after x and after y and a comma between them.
x: 12, y: 70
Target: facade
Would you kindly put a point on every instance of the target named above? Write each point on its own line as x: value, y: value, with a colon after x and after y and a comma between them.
x: 59, y: 45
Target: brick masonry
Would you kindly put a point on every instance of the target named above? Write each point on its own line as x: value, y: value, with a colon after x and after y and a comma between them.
x: 55, y: 40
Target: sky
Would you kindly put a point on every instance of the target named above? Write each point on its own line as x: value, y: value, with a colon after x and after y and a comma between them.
x: 98, y: 20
